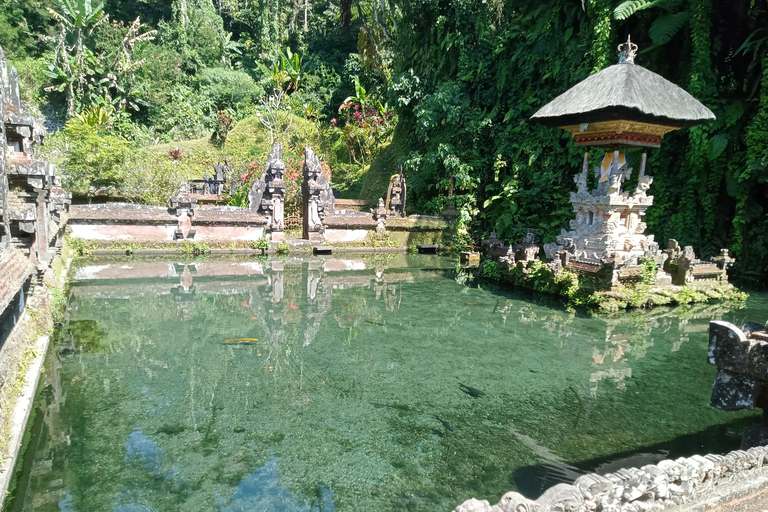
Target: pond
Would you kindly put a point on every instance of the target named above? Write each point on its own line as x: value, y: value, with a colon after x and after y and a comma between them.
x: 347, y: 384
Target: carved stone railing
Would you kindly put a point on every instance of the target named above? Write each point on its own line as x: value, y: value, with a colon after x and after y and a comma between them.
x: 666, y: 485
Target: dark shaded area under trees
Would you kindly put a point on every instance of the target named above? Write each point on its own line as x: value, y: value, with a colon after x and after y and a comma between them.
x: 462, y: 77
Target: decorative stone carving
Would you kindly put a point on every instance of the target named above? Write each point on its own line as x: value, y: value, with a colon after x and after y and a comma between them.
x: 33, y: 207
x: 684, y: 267
x: 380, y: 215
x: 317, y: 196
x: 608, y: 221
x: 742, y: 364
x: 267, y: 195
x: 396, y: 194
x: 527, y: 249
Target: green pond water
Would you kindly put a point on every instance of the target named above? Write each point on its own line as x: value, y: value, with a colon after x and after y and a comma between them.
x: 378, y: 384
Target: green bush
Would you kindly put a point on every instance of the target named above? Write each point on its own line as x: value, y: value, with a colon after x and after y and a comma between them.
x: 491, y: 270
x: 92, y: 159
x: 227, y: 88
x: 262, y: 245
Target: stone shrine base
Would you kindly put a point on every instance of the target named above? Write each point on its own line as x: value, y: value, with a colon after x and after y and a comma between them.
x: 582, y: 290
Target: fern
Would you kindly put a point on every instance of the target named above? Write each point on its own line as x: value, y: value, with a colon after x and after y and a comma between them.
x: 666, y: 26
x: 630, y: 7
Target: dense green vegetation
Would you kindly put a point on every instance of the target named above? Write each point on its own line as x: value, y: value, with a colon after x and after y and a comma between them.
x: 445, y: 88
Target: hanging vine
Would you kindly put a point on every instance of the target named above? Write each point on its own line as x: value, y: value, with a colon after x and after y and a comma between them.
x: 602, y: 42
x: 747, y: 215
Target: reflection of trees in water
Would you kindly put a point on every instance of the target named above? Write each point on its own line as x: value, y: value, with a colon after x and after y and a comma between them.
x: 212, y: 391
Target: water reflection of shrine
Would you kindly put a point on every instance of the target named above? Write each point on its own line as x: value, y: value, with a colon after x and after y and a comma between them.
x: 621, y: 338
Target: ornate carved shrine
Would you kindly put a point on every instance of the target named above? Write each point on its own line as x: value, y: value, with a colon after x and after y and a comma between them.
x: 267, y: 194
x: 317, y: 196
x: 396, y: 194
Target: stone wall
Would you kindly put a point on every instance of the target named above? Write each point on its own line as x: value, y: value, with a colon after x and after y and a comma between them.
x: 692, y: 483
x: 139, y: 223
x: 33, y: 207
x: 358, y: 227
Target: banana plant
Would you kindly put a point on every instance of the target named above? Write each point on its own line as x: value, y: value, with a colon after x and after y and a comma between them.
x: 359, y: 97
x: 286, y: 72
x: 74, y: 16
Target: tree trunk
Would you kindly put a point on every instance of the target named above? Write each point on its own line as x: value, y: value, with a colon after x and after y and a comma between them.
x: 79, y: 57
x: 346, y: 12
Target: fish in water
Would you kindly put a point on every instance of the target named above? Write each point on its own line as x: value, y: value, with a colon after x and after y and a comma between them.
x: 445, y: 423
x: 437, y: 432
x: 471, y: 303
x: 473, y: 392
x: 241, y: 341
x: 377, y: 322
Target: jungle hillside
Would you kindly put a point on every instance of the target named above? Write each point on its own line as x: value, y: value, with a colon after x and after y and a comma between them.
x: 140, y: 95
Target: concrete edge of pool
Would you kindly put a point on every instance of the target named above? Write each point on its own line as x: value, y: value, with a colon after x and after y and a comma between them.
x: 20, y: 415
x: 689, y: 484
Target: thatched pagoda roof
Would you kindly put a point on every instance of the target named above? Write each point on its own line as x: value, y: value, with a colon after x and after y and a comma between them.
x: 624, y: 91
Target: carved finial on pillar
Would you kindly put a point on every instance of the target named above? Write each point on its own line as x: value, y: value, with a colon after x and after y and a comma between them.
x: 627, y: 51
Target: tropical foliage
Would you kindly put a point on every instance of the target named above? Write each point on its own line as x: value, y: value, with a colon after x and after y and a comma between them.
x: 444, y: 88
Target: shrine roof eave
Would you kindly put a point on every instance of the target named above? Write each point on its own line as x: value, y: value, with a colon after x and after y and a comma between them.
x: 613, y: 113
x: 625, y: 91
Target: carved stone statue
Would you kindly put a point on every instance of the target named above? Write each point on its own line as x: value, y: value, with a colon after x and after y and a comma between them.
x: 267, y: 194
x: 317, y: 196
x: 396, y: 194
x: 221, y: 170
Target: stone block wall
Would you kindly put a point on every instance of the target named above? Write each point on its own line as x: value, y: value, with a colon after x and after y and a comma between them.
x: 33, y: 207
x: 137, y: 223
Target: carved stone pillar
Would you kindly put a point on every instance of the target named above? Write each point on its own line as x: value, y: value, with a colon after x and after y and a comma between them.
x: 267, y: 194
x: 317, y: 197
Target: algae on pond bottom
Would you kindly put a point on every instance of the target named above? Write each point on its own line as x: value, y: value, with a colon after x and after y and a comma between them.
x: 358, y: 394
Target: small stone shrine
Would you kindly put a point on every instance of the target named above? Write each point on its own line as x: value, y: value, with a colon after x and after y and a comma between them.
x: 212, y: 185
x: 317, y: 196
x: 622, y: 106
x: 525, y: 251
x: 267, y: 194
x: 396, y: 194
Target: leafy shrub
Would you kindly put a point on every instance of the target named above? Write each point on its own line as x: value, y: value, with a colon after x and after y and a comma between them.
x: 262, y: 244
x: 491, y: 270
x: 92, y: 159
x: 230, y: 89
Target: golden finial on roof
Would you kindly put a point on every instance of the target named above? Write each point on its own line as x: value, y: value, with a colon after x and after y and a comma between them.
x: 627, y: 51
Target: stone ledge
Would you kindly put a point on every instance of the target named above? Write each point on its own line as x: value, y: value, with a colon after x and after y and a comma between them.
x: 691, y: 484
x: 21, y: 415
x: 417, y: 223
x: 227, y: 215
x: 366, y: 221
x: 120, y: 213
